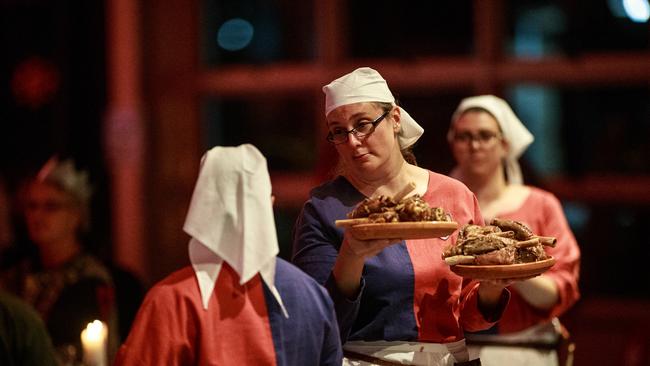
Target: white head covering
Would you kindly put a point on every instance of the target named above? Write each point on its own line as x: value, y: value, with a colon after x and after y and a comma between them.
x: 366, y: 85
x: 231, y: 219
x: 513, y: 131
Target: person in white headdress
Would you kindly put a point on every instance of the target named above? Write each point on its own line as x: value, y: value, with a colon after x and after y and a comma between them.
x: 237, y: 303
x: 397, y: 302
x: 487, y: 139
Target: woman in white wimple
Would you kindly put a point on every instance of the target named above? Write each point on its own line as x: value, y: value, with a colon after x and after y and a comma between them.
x: 397, y: 302
x: 486, y: 139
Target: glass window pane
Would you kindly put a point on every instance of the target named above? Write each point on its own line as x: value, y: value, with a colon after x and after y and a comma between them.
x: 606, y: 130
x: 433, y: 110
x: 282, y: 128
x: 585, y: 131
x: 256, y: 31
x: 538, y: 28
x: 422, y: 28
x: 622, y: 225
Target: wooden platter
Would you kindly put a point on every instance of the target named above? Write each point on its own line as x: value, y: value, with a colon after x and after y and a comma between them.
x: 403, y: 230
x: 498, y: 272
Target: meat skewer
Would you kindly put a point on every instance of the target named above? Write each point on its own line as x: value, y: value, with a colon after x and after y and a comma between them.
x: 527, y: 243
x: 522, y: 232
x: 549, y: 241
x: 404, y: 192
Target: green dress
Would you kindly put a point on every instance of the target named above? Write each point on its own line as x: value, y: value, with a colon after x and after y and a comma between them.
x: 23, y: 338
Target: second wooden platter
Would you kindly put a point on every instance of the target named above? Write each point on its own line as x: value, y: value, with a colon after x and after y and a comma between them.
x: 503, y: 271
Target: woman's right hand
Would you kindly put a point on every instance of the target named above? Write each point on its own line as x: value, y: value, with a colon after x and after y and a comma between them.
x: 352, y: 256
x: 363, y: 249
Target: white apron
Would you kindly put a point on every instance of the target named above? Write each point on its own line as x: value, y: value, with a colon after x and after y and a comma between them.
x: 408, y: 353
x: 535, y: 346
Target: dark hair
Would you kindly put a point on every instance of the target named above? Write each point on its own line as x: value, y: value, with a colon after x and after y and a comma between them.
x: 407, y: 153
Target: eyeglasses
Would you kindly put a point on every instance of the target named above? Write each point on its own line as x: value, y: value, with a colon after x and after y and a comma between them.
x: 483, y: 137
x: 339, y: 136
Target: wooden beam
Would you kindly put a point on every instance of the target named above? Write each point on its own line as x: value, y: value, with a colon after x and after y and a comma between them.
x: 124, y: 136
x: 629, y: 69
x: 330, y: 31
x: 613, y: 189
x: 290, y: 78
x: 433, y: 74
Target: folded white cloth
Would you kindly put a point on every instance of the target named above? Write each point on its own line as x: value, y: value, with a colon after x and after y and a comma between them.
x: 409, y: 353
x: 513, y: 131
x: 231, y: 219
x: 366, y: 85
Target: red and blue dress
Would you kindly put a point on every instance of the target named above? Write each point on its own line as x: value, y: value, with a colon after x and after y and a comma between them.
x: 408, y: 293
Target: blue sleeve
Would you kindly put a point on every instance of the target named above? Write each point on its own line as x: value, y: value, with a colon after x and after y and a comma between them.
x: 310, y: 336
x: 346, y: 309
x: 316, y: 244
x: 332, y: 351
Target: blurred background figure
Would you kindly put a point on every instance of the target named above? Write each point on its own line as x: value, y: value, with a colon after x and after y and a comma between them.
x: 487, y: 139
x: 237, y: 303
x: 63, y: 282
x: 24, y: 341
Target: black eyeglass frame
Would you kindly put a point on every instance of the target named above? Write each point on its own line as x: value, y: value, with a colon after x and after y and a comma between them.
x: 330, y: 136
x: 483, y: 137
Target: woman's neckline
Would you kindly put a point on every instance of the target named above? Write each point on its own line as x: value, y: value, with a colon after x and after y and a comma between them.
x: 510, y: 200
x: 419, y: 176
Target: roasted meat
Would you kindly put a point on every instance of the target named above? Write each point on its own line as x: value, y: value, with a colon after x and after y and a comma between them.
x: 372, y: 205
x: 505, y: 255
x: 383, y: 217
x: 469, y: 231
x: 382, y: 209
x: 530, y: 254
x: 522, y: 232
x: 502, y: 242
x: 476, y: 245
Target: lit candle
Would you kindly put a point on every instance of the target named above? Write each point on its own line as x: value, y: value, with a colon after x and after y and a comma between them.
x: 93, y: 340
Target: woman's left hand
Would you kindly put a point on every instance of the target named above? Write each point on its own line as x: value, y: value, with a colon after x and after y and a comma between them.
x: 489, y: 295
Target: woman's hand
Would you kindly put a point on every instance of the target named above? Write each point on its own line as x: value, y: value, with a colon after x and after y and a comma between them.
x: 540, y: 292
x: 352, y: 256
x: 363, y: 249
x: 490, y: 292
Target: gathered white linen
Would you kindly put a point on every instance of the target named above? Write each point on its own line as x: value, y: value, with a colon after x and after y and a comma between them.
x: 231, y: 219
x: 512, y: 130
x: 409, y: 353
x: 367, y: 85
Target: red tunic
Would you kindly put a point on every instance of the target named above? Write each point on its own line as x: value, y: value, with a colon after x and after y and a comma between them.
x: 543, y: 214
x: 172, y: 328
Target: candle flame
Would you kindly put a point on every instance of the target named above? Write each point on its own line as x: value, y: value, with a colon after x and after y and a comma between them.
x: 94, y: 330
x: 93, y: 340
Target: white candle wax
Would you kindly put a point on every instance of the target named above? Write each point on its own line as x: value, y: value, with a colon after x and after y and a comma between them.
x: 93, y: 340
